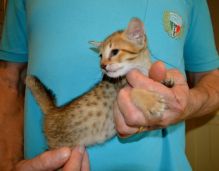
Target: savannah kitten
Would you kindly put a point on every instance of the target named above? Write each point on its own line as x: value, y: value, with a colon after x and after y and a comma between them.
x: 88, y: 119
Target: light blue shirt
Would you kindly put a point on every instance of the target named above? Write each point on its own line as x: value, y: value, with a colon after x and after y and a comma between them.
x: 53, y: 35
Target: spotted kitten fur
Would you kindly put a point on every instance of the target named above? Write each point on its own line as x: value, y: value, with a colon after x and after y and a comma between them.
x: 88, y: 119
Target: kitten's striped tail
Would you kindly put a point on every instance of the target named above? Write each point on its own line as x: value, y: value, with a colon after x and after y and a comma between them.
x: 44, y: 97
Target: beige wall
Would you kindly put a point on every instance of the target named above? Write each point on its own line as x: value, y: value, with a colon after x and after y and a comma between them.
x: 202, y: 143
x: 214, y: 9
x: 2, y: 9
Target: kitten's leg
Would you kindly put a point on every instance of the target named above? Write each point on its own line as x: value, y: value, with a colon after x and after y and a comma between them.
x: 150, y: 103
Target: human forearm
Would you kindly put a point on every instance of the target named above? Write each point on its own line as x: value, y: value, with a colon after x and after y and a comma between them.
x: 11, y: 114
x: 204, y: 96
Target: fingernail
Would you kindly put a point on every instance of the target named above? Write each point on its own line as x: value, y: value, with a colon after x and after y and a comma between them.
x: 81, y: 149
x: 124, y: 135
x: 64, y: 153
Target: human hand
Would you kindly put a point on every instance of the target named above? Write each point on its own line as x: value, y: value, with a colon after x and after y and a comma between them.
x: 65, y: 158
x: 130, y: 120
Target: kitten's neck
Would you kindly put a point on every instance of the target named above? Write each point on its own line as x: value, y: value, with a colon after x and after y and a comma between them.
x: 143, y: 65
x: 118, y: 83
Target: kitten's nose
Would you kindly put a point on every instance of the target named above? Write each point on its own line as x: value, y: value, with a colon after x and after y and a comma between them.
x: 103, y: 66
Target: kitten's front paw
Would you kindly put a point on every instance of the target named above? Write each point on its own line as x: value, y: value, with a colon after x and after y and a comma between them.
x: 150, y: 103
x: 156, y: 110
x: 168, y: 82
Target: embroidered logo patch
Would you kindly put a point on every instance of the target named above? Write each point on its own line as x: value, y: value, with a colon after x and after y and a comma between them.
x: 173, y: 24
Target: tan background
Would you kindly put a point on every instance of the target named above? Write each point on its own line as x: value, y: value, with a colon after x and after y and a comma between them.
x: 2, y: 9
x: 203, y: 133
x: 214, y: 10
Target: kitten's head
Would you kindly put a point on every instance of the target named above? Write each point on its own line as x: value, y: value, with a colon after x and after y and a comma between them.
x: 120, y: 51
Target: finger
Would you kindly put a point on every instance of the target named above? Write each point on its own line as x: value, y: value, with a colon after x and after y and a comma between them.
x: 122, y: 128
x: 50, y: 160
x: 85, y: 163
x: 131, y: 114
x: 150, y: 128
x: 137, y: 79
x: 176, y: 75
x: 75, y: 161
x: 180, y: 88
x: 158, y: 71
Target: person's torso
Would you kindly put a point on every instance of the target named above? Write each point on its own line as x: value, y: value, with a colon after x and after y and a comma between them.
x: 59, y: 54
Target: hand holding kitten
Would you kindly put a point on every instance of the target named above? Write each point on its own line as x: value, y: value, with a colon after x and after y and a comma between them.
x: 129, y: 119
x: 68, y: 159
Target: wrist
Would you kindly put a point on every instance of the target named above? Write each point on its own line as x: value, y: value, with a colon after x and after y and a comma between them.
x: 198, y: 96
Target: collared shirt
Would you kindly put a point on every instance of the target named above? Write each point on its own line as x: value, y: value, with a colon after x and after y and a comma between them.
x: 53, y: 36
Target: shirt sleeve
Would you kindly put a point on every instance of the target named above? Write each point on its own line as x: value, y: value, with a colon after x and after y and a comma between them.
x: 13, y: 46
x: 200, y: 52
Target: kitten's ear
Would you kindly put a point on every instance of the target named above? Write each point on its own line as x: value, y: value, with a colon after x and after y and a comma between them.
x: 135, y: 31
x: 95, y: 44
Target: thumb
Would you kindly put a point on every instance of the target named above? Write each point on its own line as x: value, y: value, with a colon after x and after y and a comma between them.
x: 50, y: 160
x: 75, y: 162
x: 157, y: 74
x: 158, y: 71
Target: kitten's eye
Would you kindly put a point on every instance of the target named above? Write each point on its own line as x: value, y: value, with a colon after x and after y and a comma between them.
x: 114, y: 52
x: 100, y: 55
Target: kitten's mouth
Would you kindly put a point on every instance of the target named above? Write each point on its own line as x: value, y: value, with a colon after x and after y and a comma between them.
x: 114, y: 73
x: 114, y: 70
